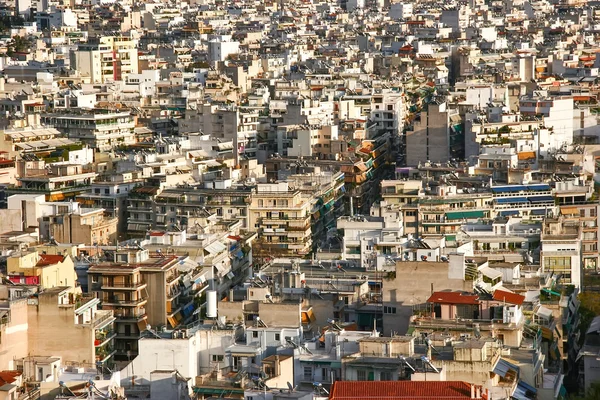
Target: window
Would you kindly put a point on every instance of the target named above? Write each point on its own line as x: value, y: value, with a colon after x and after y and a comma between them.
x: 217, y: 357
x: 94, y: 278
x: 385, y: 376
x: 361, y: 375
x: 557, y: 262
x: 254, y: 334
x: 389, y: 310
x: 308, y: 373
x: 582, y: 213
x: 277, y: 337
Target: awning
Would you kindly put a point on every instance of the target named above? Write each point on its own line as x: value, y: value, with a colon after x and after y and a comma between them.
x: 215, y: 247
x: 569, y: 211
x: 543, y: 312
x: 490, y: 273
x: 524, y: 391
x: 188, y: 310
x: 308, y: 316
x: 526, y: 155
x: 142, y: 325
x: 541, y: 199
x: 505, y: 200
x: 465, y: 215
x: 503, y: 367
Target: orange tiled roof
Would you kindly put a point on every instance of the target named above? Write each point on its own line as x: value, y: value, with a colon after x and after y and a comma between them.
x: 402, y: 390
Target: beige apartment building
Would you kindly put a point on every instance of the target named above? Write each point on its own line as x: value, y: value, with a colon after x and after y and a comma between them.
x: 281, y: 217
x: 13, y: 328
x: 89, y: 226
x: 121, y: 289
x: 61, y: 322
x: 109, y: 60
x: 47, y: 271
x: 145, y: 291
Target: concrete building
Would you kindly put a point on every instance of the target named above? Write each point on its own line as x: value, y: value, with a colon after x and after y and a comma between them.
x: 102, y: 130
x: 48, y: 271
x: 120, y: 288
x: 113, y: 58
x: 62, y: 315
x: 287, y: 230
x: 434, y: 136
x: 87, y: 225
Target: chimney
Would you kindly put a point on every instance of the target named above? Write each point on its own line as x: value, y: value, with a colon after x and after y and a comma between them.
x: 472, y: 391
x: 478, y: 393
x: 277, y: 366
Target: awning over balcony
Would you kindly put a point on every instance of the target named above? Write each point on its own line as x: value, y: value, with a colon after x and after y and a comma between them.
x: 524, y: 391
x: 503, y: 367
x: 465, y: 214
x: 490, y: 273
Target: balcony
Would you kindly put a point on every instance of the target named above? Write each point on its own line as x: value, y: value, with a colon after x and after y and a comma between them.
x: 103, y: 338
x: 114, y: 301
x: 131, y: 316
x: 123, y: 285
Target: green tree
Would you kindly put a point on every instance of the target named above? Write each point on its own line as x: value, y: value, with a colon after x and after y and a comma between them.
x: 593, y: 393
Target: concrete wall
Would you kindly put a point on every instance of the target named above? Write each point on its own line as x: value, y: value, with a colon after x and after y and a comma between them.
x: 414, y: 283
x: 53, y: 332
x: 191, y: 356
x: 14, y: 344
x: 11, y: 220
x: 280, y: 314
x: 286, y: 374
x: 156, y: 307
x: 476, y: 372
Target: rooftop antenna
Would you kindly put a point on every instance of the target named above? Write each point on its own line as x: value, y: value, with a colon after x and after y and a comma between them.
x: 405, y: 361
x: 291, y: 388
x: 428, y: 362
x: 319, y: 389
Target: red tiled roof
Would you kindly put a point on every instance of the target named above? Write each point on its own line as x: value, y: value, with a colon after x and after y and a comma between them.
x: 508, y: 297
x: 401, y: 390
x: 8, y: 377
x: 453, y: 298
x: 47, y: 259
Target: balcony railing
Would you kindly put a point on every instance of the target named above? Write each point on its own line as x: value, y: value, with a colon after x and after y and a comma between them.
x: 124, y: 302
x: 123, y: 285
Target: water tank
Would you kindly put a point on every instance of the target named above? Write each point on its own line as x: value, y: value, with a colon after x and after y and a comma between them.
x: 211, y: 304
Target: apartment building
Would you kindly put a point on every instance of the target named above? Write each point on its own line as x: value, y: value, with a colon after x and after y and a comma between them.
x: 34, y: 268
x: 13, y: 324
x: 101, y: 129
x: 89, y: 226
x: 281, y: 216
x: 434, y: 135
x: 62, y: 315
x: 556, y: 113
x: 121, y: 289
x: 561, y: 249
x: 186, y: 207
x: 56, y: 181
x: 111, y: 59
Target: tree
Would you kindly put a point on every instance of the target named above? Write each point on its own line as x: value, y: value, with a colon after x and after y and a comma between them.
x: 593, y: 393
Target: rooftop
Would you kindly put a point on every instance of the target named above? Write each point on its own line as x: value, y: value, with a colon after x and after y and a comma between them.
x: 402, y: 390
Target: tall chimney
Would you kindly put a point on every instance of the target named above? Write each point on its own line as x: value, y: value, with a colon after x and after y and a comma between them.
x: 472, y: 391
x: 478, y: 392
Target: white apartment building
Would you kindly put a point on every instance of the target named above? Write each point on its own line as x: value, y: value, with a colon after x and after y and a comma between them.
x: 110, y: 60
